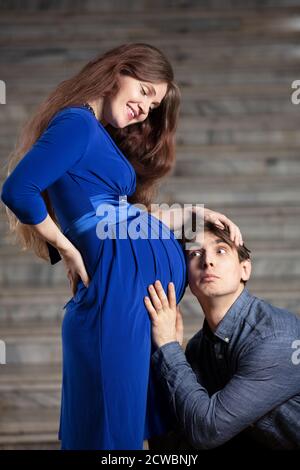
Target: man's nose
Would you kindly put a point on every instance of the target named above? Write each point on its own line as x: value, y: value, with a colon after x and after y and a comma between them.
x: 206, y: 260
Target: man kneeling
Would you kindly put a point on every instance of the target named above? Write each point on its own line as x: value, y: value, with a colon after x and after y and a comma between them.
x: 241, y: 371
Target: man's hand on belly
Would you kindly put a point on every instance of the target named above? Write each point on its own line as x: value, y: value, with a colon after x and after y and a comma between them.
x: 166, y: 318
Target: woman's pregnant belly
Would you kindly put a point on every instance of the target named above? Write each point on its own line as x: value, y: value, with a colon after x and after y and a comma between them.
x: 133, y: 253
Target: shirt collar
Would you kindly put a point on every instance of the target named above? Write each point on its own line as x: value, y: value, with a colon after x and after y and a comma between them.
x: 227, y: 325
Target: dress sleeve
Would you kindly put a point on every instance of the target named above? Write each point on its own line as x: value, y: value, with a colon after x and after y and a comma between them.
x: 59, y: 148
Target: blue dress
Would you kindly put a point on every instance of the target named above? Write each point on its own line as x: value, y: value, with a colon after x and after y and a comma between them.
x: 110, y: 399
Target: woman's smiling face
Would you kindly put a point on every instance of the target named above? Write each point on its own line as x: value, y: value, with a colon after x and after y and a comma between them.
x: 133, y: 101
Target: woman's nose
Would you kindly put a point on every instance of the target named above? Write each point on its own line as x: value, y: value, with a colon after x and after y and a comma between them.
x: 144, y: 108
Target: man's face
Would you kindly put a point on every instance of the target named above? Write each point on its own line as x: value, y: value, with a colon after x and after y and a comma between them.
x: 214, y: 268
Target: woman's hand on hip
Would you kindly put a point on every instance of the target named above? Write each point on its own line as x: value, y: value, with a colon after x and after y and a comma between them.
x: 75, y: 268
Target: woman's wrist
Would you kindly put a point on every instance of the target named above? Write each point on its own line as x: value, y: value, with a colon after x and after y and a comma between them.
x: 66, y: 250
x: 50, y: 232
x: 63, y: 245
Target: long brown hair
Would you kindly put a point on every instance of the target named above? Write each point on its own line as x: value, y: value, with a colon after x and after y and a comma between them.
x: 150, y: 145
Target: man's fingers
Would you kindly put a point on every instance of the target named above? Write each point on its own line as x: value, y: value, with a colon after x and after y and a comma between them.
x: 179, y: 320
x: 150, y: 308
x: 172, y: 295
x: 161, y: 294
x: 178, y: 311
x: 159, y: 298
x: 154, y: 298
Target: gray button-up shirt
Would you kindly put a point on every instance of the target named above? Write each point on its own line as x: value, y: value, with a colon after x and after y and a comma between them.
x: 245, y: 375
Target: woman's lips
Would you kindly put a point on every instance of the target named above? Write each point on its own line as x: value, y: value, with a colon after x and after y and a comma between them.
x: 130, y: 112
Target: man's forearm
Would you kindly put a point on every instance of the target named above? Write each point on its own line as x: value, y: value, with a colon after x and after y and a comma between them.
x: 189, y: 400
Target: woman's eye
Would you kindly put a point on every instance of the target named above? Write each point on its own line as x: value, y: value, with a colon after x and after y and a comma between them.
x: 195, y: 253
x: 144, y: 93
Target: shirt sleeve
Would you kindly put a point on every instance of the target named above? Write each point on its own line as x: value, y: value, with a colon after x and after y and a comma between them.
x: 59, y: 148
x: 265, y: 378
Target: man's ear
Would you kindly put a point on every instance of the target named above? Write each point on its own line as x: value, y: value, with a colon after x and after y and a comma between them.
x: 246, y: 267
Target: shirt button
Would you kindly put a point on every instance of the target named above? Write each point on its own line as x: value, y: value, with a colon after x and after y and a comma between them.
x: 226, y: 339
x: 220, y: 356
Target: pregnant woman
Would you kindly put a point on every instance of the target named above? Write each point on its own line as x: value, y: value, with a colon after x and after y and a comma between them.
x: 104, y: 134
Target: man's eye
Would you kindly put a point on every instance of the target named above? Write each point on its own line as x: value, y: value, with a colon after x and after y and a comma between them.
x: 194, y: 253
x: 221, y: 250
x: 143, y: 91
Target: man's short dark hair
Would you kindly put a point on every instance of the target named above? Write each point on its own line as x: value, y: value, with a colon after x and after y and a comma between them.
x: 224, y: 234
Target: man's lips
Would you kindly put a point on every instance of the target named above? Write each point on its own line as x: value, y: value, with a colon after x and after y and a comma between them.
x: 208, y: 277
